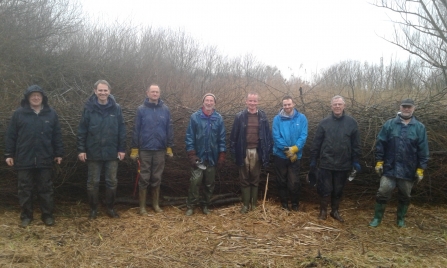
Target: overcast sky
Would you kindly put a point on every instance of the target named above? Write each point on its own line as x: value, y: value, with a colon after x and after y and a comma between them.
x: 299, y: 37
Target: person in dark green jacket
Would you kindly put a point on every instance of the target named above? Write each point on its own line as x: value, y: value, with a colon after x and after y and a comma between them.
x: 402, y: 156
x: 101, y: 142
x: 33, y: 144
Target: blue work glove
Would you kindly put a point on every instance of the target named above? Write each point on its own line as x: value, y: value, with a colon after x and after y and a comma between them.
x: 356, y: 166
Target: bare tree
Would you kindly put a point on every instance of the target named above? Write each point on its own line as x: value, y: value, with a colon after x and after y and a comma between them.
x: 421, y: 29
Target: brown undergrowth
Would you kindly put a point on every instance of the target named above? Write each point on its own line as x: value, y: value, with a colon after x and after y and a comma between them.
x: 274, y: 238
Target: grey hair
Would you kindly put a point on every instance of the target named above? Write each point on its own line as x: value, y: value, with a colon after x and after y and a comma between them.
x: 338, y: 97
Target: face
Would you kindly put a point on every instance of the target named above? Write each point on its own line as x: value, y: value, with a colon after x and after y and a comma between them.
x: 288, y: 105
x: 102, y: 92
x: 153, y: 93
x: 252, y: 102
x: 35, y: 99
x: 407, y: 110
x: 209, y: 103
x: 338, y: 106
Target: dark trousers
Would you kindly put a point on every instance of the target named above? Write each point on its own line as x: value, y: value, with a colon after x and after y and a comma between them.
x: 331, y: 183
x: 287, y: 179
x: 40, y: 178
x: 94, y: 174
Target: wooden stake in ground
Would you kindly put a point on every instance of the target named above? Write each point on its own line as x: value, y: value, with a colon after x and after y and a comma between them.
x: 265, y: 192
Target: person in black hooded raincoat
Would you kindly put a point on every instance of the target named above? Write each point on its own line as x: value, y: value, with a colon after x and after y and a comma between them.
x: 33, y: 143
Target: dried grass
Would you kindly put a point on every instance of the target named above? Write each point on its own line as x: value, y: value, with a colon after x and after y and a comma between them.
x: 226, y: 238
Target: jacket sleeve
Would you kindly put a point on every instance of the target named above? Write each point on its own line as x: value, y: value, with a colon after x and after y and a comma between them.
x: 222, y: 137
x: 303, y: 135
x: 316, y: 144
x: 11, y: 137
x: 278, y: 140
x: 234, y: 135
x: 82, y: 133
x: 136, y: 130
x: 423, y: 152
x: 381, y: 143
x: 121, y: 131
x: 58, y: 147
x: 355, y: 144
x: 170, y: 130
x: 190, y: 134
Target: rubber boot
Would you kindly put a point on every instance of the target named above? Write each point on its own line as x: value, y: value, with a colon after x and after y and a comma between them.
x: 245, y: 191
x: 142, y: 193
x: 402, y: 209
x: 379, y: 210
x: 254, y: 196
x: 93, y: 202
x: 285, y: 206
x: 324, y: 201
x: 155, y: 192
x: 205, y: 210
x: 334, y: 210
x: 189, y: 210
x: 110, y: 202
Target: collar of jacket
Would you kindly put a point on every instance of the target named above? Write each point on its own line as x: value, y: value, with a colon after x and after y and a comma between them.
x: 149, y: 104
x: 398, y: 120
x: 287, y: 117
x: 92, y: 102
x: 338, y: 118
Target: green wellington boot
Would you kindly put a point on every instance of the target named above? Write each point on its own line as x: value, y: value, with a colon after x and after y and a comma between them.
x: 245, y: 196
x: 401, y: 212
x: 254, y: 196
x: 142, y: 193
x: 378, y: 215
x: 155, y: 198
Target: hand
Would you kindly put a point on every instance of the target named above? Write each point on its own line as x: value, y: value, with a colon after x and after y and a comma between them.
x: 419, y: 174
x: 82, y: 157
x: 121, y: 155
x: 293, y: 158
x: 193, y: 159
x: 134, y: 154
x: 58, y: 160
x: 379, y: 168
x: 290, y: 151
x: 356, y: 166
x: 169, y: 152
x: 10, y: 161
x: 221, y: 160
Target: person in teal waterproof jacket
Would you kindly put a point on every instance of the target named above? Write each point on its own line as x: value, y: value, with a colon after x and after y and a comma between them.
x: 402, y: 156
x: 206, y: 149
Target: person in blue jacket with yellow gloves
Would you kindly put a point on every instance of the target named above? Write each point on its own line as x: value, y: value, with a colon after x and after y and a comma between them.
x: 289, y: 137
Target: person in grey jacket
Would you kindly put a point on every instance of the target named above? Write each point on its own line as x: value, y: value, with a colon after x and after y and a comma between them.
x: 101, y: 142
x: 337, y: 145
x: 402, y: 156
x: 33, y: 144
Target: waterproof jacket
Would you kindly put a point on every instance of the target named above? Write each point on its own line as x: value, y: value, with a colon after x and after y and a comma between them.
x: 153, y: 127
x: 101, y: 132
x: 402, y: 148
x: 206, y: 135
x: 34, y: 140
x: 238, y: 138
x: 336, y: 143
x: 289, y: 131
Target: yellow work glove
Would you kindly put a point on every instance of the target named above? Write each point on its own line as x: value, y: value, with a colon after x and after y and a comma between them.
x: 419, y: 174
x: 290, y: 151
x: 134, y: 154
x: 293, y: 158
x: 169, y: 152
x: 379, y: 168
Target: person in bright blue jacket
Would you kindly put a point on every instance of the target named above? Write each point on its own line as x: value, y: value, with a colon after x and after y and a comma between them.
x: 152, y: 139
x: 206, y: 149
x: 402, y: 155
x: 289, y: 137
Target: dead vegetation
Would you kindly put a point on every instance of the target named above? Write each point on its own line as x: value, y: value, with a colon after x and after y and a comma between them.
x: 226, y: 238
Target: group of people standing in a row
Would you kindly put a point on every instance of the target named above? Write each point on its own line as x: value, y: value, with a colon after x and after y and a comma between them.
x: 34, y: 142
